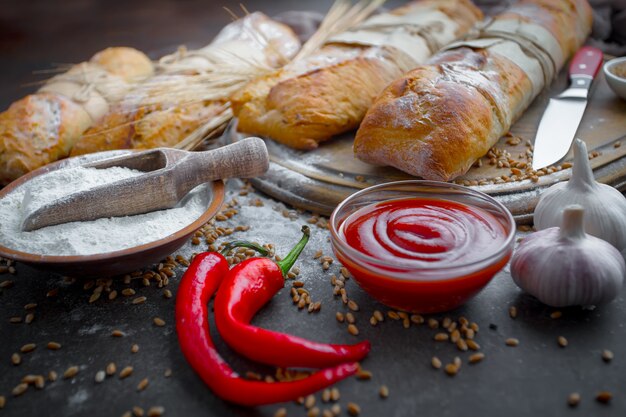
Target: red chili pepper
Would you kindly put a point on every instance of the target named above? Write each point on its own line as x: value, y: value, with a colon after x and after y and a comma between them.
x: 197, y: 286
x: 248, y: 287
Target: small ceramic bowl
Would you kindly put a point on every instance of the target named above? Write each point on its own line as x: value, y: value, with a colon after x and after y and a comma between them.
x: 423, y: 289
x: 110, y: 263
x: 617, y: 83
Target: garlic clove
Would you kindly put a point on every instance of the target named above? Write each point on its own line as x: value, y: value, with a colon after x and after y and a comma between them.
x: 605, y: 207
x: 565, y: 266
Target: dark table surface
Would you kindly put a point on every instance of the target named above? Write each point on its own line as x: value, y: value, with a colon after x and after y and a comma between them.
x: 532, y: 379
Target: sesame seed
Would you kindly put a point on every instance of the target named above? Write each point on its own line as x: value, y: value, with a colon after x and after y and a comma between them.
x: 562, y: 341
x: 607, y: 355
x: 70, y: 372
x: 143, y: 384
x: 511, y: 342
x: 29, y: 347
x: 573, y: 399
x: 383, y: 391
x: 126, y: 372
x: 604, y: 397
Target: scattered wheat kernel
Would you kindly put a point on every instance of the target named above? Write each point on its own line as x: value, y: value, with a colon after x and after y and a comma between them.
x: 53, y: 346
x: 157, y: 411
x: 562, y: 341
x: 309, y: 401
x: 167, y: 373
x: 555, y: 314
x: 127, y: 292
x: 16, y: 359
x: 417, y: 319
x: 3, y: 401
x: 281, y: 412
x: 476, y: 357
x: 472, y: 344
x: 112, y: 295
x: 353, y: 330
x: 19, y: 389
x: 364, y: 375
x: 334, y: 394
x: 433, y: 323
x: 15, y: 320
x: 378, y: 315
x: 134, y: 348
x: 383, y: 392
x: 29, y: 347
x: 52, y: 376
x: 447, y: 321
x: 159, y: 321
x: 457, y: 361
x: 126, y: 372
x: 143, y: 384
x: 70, y: 372
x: 607, y: 355
x: 350, y: 318
x: 335, y: 409
x: 455, y: 336
x: 451, y: 369
x: 461, y: 345
x: 40, y: 382
x: 139, y: 300
x: 393, y: 315
x: 138, y: 411
x: 441, y: 337
x: 573, y: 399
x: 373, y: 321
x: 435, y: 362
x: 111, y: 369
x: 313, y: 412
x: 604, y: 397
x: 117, y: 333
x: 340, y: 317
x: 511, y: 341
x: 353, y: 409
x: 513, y: 312
x: 352, y: 305
x: 327, y: 413
x: 94, y: 297
x: 100, y: 375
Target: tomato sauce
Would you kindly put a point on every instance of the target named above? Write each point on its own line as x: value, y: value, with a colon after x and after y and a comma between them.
x: 424, y: 233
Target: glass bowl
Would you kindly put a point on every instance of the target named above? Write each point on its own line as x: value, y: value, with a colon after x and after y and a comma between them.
x: 423, y: 289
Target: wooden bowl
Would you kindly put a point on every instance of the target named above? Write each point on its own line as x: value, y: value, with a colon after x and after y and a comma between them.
x: 110, y: 263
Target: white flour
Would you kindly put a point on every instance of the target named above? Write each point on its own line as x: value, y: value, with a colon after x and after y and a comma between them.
x: 86, y: 238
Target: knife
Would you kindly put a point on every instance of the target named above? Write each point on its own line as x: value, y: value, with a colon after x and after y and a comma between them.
x: 561, y: 118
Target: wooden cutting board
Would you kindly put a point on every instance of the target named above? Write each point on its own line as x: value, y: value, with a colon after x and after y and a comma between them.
x: 318, y: 180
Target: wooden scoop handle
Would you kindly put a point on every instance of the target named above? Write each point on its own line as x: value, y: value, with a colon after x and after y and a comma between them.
x: 247, y: 158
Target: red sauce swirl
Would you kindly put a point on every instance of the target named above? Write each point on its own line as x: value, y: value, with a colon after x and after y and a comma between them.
x: 420, y: 232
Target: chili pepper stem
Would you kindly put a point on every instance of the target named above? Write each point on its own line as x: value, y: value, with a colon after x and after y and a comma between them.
x: 286, y: 264
x: 244, y: 244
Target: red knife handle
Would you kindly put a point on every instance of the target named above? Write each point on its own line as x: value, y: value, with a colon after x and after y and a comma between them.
x: 586, y: 62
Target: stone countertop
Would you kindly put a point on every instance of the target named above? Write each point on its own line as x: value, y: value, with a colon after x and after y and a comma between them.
x: 534, y: 378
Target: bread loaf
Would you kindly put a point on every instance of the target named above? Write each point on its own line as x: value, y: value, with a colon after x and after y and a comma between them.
x: 436, y: 120
x: 43, y: 127
x: 327, y: 93
x: 167, y: 108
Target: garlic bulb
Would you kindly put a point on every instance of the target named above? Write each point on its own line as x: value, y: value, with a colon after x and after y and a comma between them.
x: 565, y: 266
x: 605, y: 207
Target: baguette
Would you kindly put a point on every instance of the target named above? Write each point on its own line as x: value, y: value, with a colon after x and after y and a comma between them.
x: 327, y: 93
x: 152, y: 116
x: 42, y: 127
x: 438, y: 119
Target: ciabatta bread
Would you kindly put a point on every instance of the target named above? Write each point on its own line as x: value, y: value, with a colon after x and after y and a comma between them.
x: 327, y: 93
x: 43, y: 127
x: 436, y: 120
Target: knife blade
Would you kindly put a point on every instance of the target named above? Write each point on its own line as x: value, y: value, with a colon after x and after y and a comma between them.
x: 561, y: 118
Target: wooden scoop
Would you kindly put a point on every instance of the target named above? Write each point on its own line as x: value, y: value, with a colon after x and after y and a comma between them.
x: 170, y: 175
